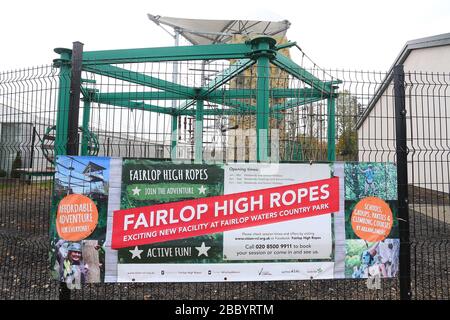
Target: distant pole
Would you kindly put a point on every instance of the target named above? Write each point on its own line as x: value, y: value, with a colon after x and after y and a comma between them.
x: 33, y: 141
x: 331, y: 129
x: 198, y: 134
x: 175, y: 124
x: 85, y: 126
x: 174, y: 136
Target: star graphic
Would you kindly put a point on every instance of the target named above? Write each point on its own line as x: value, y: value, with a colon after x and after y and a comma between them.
x: 202, y: 190
x: 136, y: 253
x: 136, y: 191
x: 202, y: 249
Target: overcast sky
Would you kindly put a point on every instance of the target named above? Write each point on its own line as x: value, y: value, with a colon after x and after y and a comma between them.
x: 350, y: 34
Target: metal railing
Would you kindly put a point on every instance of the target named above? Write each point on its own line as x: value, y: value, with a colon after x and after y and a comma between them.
x: 378, y: 117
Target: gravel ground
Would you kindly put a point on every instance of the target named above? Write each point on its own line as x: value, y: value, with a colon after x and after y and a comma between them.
x: 24, y: 270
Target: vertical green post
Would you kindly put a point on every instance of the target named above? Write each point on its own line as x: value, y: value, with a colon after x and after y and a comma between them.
x: 62, y: 117
x: 174, y: 137
x: 85, y: 126
x: 331, y: 129
x: 198, y: 134
x: 263, y: 50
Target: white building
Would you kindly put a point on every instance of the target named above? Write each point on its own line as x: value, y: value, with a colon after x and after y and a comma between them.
x: 426, y: 63
x: 22, y: 132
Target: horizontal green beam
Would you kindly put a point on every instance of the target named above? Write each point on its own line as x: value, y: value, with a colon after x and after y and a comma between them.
x: 142, y: 79
x: 285, y: 45
x: 91, y: 81
x: 155, y: 95
x: 141, y: 106
x: 273, y: 93
x: 217, y: 94
x: 228, y: 112
x: 280, y: 93
x: 163, y: 95
x: 198, y: 52
x: 238, y: 107
x: 225, y: 112
x: 187, y: 112
x: 286, y: 64
x: 292, y: 103
x: 214, y: 112
x: 166, y: 110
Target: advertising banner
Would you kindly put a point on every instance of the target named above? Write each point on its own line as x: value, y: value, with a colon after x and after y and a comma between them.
x: 140, y: 220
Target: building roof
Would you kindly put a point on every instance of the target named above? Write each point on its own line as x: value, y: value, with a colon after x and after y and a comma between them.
x: 428, y: 42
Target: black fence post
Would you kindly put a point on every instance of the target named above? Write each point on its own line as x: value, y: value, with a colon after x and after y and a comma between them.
x: 72, y: 129
x: 402, y: 182
x: 75, y: 92
x: 64, y: 291
x: 30, y: 165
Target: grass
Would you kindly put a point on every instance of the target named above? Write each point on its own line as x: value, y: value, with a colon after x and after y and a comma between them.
x: 13, y: 184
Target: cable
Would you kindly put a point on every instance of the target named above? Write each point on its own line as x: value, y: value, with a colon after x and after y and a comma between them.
x: 315, y: 64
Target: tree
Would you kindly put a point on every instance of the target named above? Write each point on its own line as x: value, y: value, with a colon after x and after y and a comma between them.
x: 308, y: 125
x: 91, y: 258
x: 312, y: 148
x: 347, y: 112
x: 347, y: 146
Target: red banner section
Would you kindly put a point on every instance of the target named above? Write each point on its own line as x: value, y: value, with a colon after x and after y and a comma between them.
x: 190, y: 218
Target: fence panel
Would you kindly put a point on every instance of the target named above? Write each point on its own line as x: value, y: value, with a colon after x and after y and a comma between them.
x: 428, y: 126
x: 363, y: 130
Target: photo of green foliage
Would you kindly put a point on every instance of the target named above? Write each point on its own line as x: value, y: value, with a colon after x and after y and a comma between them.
x: 365, y: 179
x: 354, y: 250
x: 369, y: 258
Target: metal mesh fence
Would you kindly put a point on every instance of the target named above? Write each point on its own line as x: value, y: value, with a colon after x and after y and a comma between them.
x: 143, y: 126
x: 428, y: 121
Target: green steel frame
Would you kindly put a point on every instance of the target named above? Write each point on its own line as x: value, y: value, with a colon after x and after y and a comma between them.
x: 261, y: 51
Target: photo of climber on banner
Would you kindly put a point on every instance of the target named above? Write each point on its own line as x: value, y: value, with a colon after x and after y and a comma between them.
x: 78, y: 224
x: 73, y: 267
